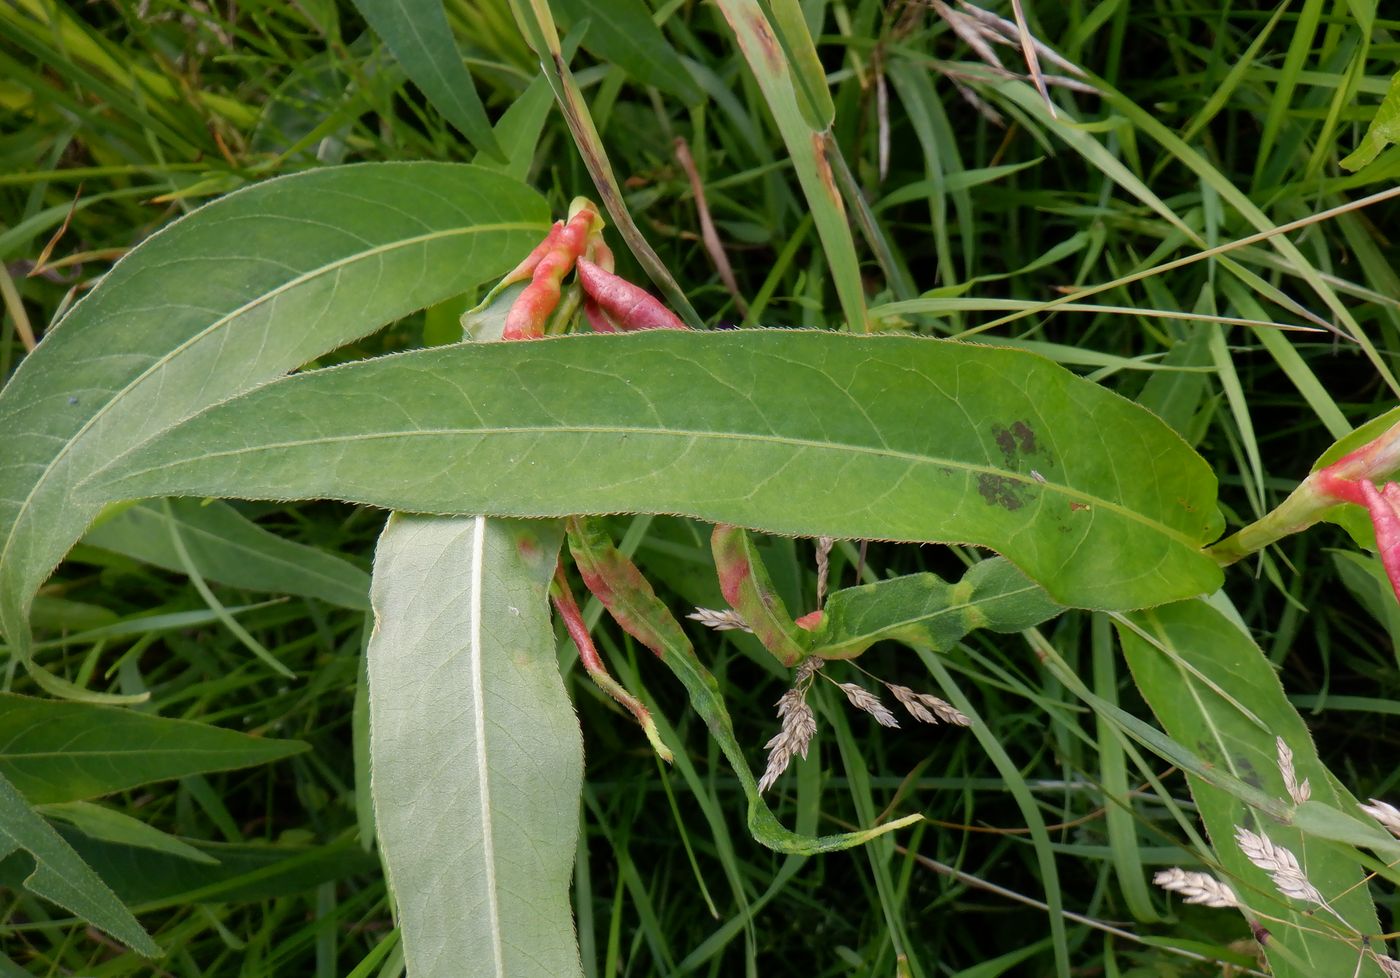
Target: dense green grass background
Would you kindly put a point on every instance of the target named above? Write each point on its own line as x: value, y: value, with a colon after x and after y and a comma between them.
x: 1194, y: 120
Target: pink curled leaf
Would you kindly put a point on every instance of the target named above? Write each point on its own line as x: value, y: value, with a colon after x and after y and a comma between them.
x: 597, y: 319
x: 1384, y: 507
x: 629, y: 306
x: 527, y: 316
x: 1339, y: 487
x: 527, y: 267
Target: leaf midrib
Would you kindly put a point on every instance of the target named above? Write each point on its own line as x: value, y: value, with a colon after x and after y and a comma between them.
x: 1066, y: 492
x: 219, y: 323
x: 477, y: 573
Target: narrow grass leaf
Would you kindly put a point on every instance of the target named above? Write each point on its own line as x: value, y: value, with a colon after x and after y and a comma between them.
x: 59, y: 752
x: 477, y: 759
x: 810, y: 149
x: 622, y: 33
x: 804, y: 433
x: 418, y: 34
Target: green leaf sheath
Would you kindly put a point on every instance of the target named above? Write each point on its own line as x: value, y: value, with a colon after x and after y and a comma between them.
x: 745, y: 584
x: 418, y: 34
x: 241, y: 291
x: 477, y: 759
x: 634, y: 605
x: 1184, y: 658
x: 806, y: 433
x: 61, y: 876
x: 924, y: 610
x: 57, y: 752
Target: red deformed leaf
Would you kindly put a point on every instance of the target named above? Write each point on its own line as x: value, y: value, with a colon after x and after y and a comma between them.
x: 627, y: 305
x: 1384, y: 507
x: 744, y: 581
x: 526, y: 269
x: 527, y: 317
x: 563, y: 598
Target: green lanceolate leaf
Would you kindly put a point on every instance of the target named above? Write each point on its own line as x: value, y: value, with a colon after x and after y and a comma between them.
x: 924, y: 610
x: 477, y: 758
x: 241, y: 291
x: 61, y: 876
x: 227, y: 547
x: 418, y: 34
x: 1215, y: 692
x: 629, y: 598
x: 819, y: 434
x: 57, y: 752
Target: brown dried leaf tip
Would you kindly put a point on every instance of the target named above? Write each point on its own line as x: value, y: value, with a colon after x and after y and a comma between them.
x: 927, y: 708
x: 799, y: 725
x: 1201, y: 888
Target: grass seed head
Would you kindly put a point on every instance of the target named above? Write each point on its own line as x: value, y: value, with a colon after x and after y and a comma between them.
x: 1385, y: 813
x: 1298, y: 792
x: 726, y: 620
x: 1390, y: 966
x: 928, y: 708
x: 863, y: 699
x: 799, y: 726
x: 1281, y: 865
x: 1196, y: 887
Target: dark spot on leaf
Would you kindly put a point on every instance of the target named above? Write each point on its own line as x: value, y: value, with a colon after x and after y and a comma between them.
x: 1006, y: 441
x: 1025, y: 437
x: 998, y: 490
x: 1248, y: 773
x: 72, y: 399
